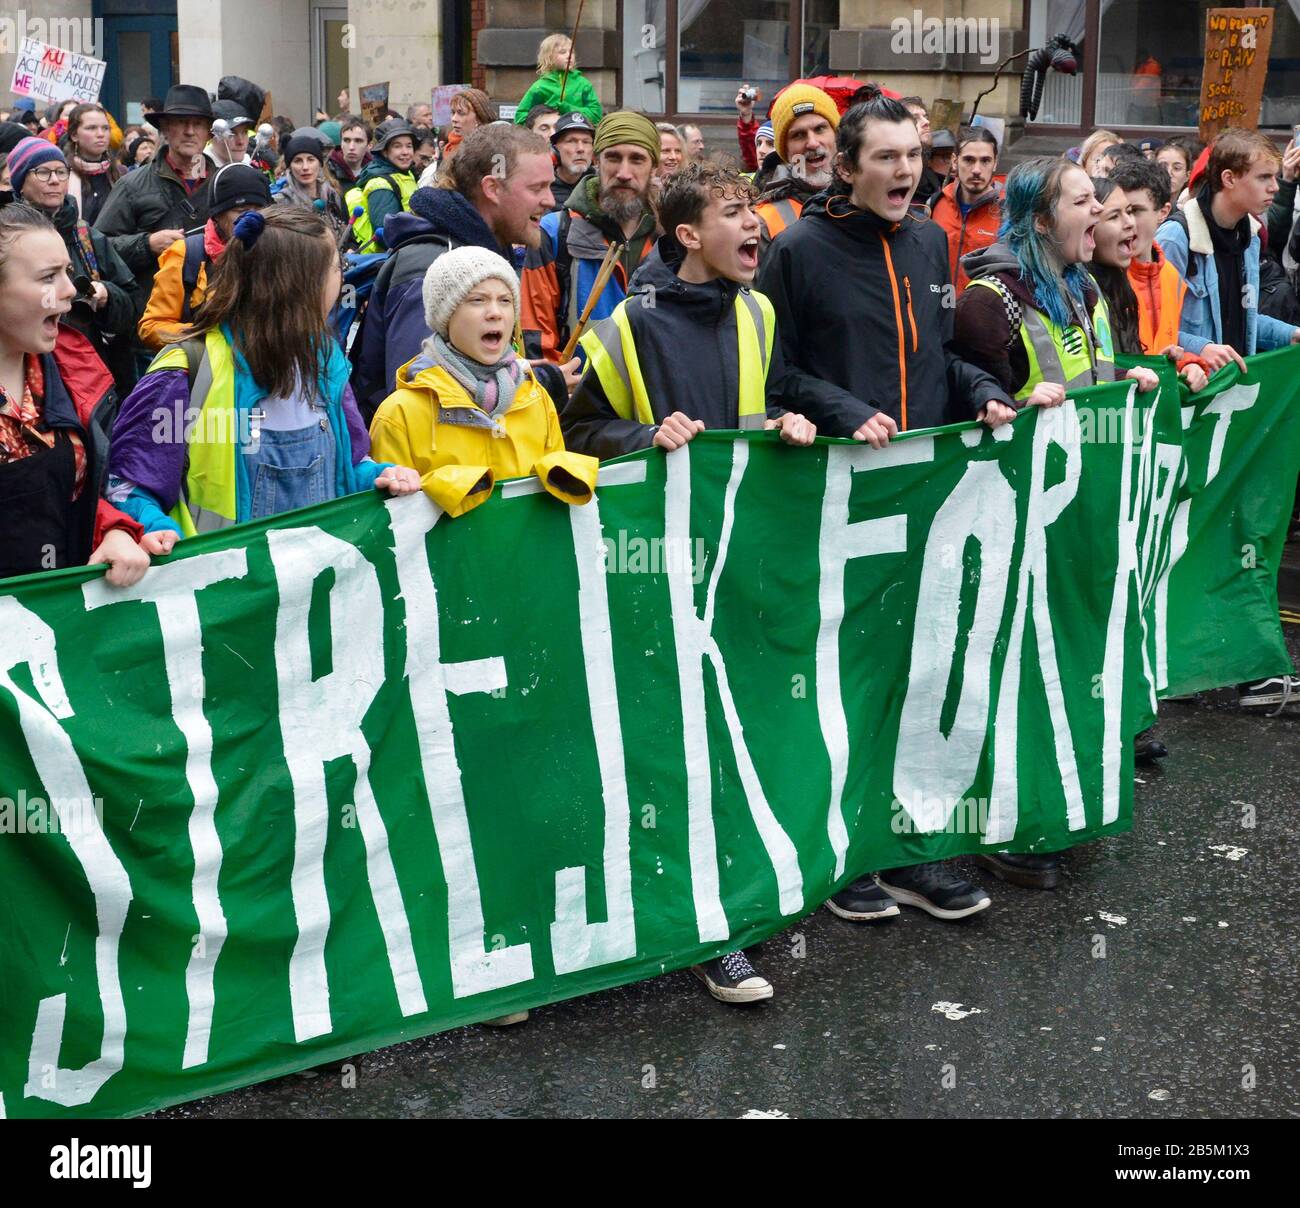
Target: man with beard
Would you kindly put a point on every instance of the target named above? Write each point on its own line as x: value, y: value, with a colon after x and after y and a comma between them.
x: 969, y: 208
x: 611, y: 206
x: 497, y: 189
x: 571, y: 139
x: 804, y: 121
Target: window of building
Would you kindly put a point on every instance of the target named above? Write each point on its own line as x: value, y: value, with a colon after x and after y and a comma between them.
x: 690, y: 56
x: 1142, y: 63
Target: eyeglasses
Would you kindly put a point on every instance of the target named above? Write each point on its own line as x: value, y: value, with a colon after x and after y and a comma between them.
x: 51, y: 172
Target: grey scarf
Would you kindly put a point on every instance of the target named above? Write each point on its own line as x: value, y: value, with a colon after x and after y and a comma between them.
x: 492, y: 387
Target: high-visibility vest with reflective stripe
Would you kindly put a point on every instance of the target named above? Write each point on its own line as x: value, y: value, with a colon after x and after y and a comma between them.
x: 611, y: 353
x: 207, y: 498
x: 362, y: 231
x: 777, y: 215
x: 1071, y: 356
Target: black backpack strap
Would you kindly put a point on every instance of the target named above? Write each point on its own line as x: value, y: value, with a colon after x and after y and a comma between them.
x: 1179, y: 217
x: 563, y: 271
x: 195, y: 258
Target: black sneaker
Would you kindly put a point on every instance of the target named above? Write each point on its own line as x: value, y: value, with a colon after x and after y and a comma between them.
x: 1147, y: 749
x: 1025, y: 869
x: 934, y: 889
x: 1280, y: 692
x: 863, y: 901
x: 731, y: 978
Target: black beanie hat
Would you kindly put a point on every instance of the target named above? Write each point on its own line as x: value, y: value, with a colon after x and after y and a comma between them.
x: 237, y: 185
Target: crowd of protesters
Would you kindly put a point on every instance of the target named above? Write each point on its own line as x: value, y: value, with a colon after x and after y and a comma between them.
x: 526, y: 294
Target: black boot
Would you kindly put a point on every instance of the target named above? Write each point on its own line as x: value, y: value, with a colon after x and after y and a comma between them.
x: 1023, y: 869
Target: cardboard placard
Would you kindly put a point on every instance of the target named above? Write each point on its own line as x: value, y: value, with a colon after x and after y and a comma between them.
x: 374, y: 103
x: 441, y: 103
x: 945, y: 115
x: 51, y: 73
x: 1237, y: 42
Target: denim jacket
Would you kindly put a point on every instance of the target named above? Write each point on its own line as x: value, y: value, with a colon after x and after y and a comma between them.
x: 1201, y: 323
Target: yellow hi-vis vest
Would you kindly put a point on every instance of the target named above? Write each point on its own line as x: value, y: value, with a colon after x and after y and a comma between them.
x: 362, y: 231
x: 207, y: 497
x: 1071, y: 356
x: 611, y: 353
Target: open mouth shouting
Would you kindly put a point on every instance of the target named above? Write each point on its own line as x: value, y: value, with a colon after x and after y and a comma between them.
x: 898, y: 197
x: 493, y: 340
x: 748, y: 254
x: 1090, y: 237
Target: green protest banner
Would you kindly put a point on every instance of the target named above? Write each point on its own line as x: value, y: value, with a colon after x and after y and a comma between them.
x: 1228, y: 499
x: 361, y: 772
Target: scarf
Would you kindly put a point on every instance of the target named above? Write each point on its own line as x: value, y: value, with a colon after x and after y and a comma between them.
x: 90, y: 167
x: 1230, y: 259
x: 492, y: 387
x: 213, y: 244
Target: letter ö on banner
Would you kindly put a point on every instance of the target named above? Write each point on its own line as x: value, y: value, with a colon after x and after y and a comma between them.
x: 1053, y: 426
x: 171, y: 589
x: 933, y: 769
x: 841, y: 541
x: 29, y: 640
x: 577, y: 943
x: 693, y: 638
x: 320, y: 720
x: 474, y: 969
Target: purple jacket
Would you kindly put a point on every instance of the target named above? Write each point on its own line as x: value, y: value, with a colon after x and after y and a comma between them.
x: 148, y: 446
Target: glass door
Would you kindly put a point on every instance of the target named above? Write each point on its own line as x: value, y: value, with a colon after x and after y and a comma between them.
x: 329, y: 57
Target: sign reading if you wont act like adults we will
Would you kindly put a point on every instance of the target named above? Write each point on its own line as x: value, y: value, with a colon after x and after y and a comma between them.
x: 363, y: 772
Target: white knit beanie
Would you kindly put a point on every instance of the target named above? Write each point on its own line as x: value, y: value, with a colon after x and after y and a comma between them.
x: 451, y: 277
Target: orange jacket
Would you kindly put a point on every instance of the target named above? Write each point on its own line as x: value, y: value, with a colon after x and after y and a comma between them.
x: 162, y: 314
x: 977, y: 229
x: 1160, y: 292
x: 777, y: 215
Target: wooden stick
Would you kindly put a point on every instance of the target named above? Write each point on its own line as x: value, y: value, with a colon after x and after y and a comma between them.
x: 568, y: 62
x: 598, y: 288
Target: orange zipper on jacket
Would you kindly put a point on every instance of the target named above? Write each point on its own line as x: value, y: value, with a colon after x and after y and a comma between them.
x: 898, y: 321
x: 911, y: 318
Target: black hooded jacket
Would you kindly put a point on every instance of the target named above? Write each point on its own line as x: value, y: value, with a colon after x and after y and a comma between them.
x: 864, y: 312
x: 689, y: 355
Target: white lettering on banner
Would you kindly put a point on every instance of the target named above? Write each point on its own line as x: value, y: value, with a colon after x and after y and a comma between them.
x: 30, y: 641
x: 171, y: 589
x: 1132, y: 505
x: 577, y: 943
x: 840, y: 541
x: 693, y: 638
x: 1055, y: 426
x: 474, y: 970
x: 320, y: 720
x: 933, y: 769
x: 1171, y: 471
x: 1236, y: 398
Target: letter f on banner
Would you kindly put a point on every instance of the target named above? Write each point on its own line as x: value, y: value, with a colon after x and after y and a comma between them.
x: 694, y: 640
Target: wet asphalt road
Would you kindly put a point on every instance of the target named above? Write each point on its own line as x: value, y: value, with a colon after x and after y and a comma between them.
x: 1190, y: 1013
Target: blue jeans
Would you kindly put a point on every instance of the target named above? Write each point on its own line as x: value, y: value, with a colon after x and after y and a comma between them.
x: 288, y: 470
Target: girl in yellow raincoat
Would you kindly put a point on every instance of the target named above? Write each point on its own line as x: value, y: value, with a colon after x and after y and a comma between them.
x: 468, y: 410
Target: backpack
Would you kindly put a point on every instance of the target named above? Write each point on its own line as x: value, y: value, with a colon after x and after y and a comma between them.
x: 196, y: 256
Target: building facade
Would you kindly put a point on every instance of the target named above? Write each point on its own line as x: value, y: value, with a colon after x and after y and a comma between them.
x: 684, y: 59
